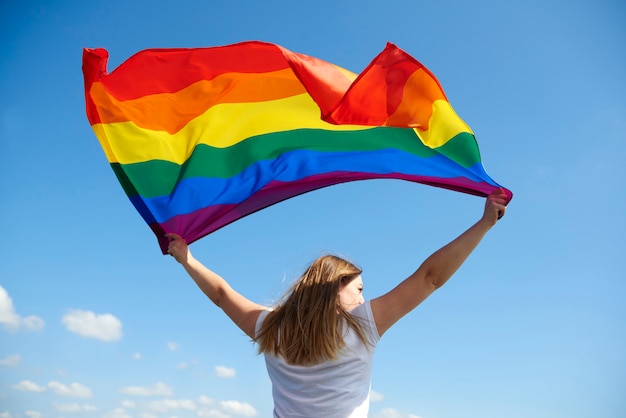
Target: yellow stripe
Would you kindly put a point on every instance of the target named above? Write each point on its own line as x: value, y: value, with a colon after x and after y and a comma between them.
x: 444, y: 124
x: 221, y: 126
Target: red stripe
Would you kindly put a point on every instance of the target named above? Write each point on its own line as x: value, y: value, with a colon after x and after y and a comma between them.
x: 155, y: 71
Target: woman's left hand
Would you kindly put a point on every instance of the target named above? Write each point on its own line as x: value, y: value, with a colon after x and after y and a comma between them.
x: 177, y: 247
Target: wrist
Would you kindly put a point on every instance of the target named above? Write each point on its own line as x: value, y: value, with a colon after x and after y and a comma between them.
x: 486, y: 223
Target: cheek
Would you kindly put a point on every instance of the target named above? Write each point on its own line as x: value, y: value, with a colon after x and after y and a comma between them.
x: 348, y: 297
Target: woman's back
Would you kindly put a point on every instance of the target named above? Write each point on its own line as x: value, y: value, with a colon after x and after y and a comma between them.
x: 333, y: 388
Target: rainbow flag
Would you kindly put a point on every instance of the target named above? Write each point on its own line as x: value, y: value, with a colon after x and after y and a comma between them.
x: 199, y: 138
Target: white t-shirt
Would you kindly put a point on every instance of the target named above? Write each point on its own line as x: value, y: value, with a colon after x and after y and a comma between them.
x: 332, y: 389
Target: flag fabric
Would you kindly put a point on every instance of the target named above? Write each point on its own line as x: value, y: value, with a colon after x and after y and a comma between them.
x: 201, y: 137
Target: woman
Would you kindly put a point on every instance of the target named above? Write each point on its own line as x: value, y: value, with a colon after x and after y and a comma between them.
x: 319, y: 342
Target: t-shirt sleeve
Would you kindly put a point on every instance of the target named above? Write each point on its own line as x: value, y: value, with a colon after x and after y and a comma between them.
x: 366, y: 316
x: 259, y: 321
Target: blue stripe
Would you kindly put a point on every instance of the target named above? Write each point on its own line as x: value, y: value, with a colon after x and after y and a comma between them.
x: 196, y: 193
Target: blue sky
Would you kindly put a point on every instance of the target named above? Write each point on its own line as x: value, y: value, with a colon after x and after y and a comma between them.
x: 95, y: 322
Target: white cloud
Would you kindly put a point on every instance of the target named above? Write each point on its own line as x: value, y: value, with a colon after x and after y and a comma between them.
x: 11, y: 361
x: 238, y: 408
x: 208, y: 408
x: 116, y: 413
x: 5, y: 415
x: 72, y: 407
x: 393, y: 413
x: 211, y: 413
x: 33, y: 323
x: 166, y: 405
x: 173, y: 346
x: 105, y: 327
x: 128, y: 404
x: 12, y: 320
x: 74, y: 389
x: 33, y: 414
x: 375, y: 396
x: 159, y: 388
x: 223, y: 371
x: 205, y: 400
x: 137, y: 356
x: 28, y: 386
x: 186, y: 365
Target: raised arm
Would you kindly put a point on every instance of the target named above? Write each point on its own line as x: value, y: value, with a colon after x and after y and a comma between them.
x: 241, y: 310
x: 437, y: 268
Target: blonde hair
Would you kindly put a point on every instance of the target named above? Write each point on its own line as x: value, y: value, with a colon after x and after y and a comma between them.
x: 308, y: 326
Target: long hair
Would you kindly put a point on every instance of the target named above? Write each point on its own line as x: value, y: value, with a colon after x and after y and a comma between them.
x: 308, y: 326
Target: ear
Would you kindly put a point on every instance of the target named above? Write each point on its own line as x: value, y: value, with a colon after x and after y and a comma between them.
x: 344, y: 281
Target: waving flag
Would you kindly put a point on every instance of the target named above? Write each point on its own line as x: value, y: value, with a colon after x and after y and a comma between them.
x: 199, y: 138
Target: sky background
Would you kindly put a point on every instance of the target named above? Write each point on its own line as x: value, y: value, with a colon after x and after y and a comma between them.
x: 95, y: 322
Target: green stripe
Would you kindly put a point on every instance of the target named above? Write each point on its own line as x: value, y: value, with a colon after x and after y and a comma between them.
x: 158, y: 177
x: 462, y: 149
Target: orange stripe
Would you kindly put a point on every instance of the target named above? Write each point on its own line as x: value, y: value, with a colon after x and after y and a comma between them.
x: 170, y: 112
x: 416, y: 106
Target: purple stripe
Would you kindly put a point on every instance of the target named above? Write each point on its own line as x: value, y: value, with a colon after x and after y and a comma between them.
x: 195, y: 225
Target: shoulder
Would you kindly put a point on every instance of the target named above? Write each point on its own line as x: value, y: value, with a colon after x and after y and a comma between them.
x: 259, y: 321
x: 364, y: 311
x: 365, y: 316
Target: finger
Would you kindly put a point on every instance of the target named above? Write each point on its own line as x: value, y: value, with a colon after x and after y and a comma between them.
x: 501, y: 210
x: 501, y: 202
x: 172, y: 236
x: 498, y: 196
